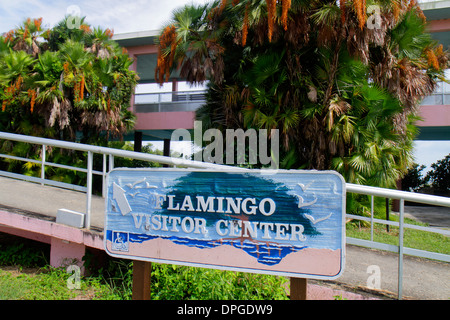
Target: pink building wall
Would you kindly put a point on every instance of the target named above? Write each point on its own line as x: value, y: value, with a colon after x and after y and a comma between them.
x: 434, y: 116
x: 68, y: 244
x: 165, y: 120
x: 439, y: 25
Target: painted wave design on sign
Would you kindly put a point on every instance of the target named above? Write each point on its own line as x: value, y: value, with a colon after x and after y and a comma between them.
x: 311, y: 202
x: 268, y: 253
x: 243, y: 186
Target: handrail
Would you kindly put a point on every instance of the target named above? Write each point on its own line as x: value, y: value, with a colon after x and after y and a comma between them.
x: 168, y: 101
x: 400, y: 249
x: 115, y: 152
x: 91, y: 149
x: 173, y: 93
x: 399, y: 194
x: 175, y: 96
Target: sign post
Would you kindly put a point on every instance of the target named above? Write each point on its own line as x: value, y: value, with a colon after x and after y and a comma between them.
x: 299, y: 289
x: 141, y: 280
x: 289, y: 223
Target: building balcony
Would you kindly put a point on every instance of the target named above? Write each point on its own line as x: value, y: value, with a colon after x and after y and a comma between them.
x: 175, y: 101
x: 159, y: 113
x: 441, y: 96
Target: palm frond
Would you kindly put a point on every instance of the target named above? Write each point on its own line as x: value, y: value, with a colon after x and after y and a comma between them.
x: 327, y: 15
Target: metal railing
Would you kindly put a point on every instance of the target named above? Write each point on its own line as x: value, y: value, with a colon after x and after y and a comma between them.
x: 428, y: 1
x: 108, y: 164
x: 192, y: 100
x: 440, y: 96
x: 402, y: 196
x: 169, y: 101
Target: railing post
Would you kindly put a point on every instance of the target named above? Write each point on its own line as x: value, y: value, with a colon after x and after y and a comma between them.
x: 104, y: 176
x: 111, y: 162
x: 371, y: 217
x: 400, y: 249
x: 159, y: 102
x: 387, y: 213
x: 43, y: 156
x: 89, y: 190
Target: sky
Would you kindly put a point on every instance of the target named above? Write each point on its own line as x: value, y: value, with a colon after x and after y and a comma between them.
x: 122, y: 16
x: 140, y: 15
x: 429, y: 152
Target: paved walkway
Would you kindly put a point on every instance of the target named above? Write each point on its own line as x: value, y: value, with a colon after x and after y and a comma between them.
x: 423, y: 279
x: 438, y: 217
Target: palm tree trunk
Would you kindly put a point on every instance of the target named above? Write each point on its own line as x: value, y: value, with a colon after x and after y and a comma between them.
x: 333, y: 67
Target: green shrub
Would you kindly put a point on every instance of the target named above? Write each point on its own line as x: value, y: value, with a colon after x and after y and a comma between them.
x: 440, y: 175
x: 171, y: 282
x: 26, y: 253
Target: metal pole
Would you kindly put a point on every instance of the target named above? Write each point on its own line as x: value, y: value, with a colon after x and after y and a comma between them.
x: 371, y: 218
x: 43, y: 156
x: 400, y: 250
x: 111, y: 162
x: 387, y: 213
x: 89, y: 190
x: 159, y: 102
x: 104, y: 176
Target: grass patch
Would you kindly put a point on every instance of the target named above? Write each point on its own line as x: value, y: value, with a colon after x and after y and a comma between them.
x: 415, y: 239
x: 113, y: 279
x: 26, y: 275
x: 360, y: 205
x: 49, y: 284
x: 169, y: 282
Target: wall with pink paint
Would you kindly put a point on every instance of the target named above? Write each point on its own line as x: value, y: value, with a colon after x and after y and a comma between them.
x: 439, y: 25
x: 26, y: 234
x: 64, y: 253
x: 165, y: 120
x: 68, y: 244
x: 434, y: 116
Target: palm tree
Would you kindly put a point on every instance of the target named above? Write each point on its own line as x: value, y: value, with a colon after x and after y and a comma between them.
x: 99, y: 42
x: 78, y: 81
x: 61, y: 32
x: 342, y: 89
x: 25, y: 37
x: 50, y: 98
x: 188, y: 38
x: 15, y: 69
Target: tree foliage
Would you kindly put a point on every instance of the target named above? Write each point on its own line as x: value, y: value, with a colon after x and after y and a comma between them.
x: 440, y: 175
x: 342, y: 85
x: 64, y: 82
x: 438, y: 178
x: 413, y: 179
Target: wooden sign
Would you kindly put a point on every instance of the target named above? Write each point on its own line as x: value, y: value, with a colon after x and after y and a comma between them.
x: 290, y: 223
